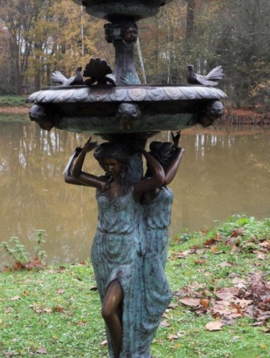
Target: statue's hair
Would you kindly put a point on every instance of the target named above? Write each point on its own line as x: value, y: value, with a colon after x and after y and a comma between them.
x: 119, y: 152
x: 163, y: 152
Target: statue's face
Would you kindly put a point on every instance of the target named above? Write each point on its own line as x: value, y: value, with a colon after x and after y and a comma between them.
x: 131, y: 34
x: 112, y: 166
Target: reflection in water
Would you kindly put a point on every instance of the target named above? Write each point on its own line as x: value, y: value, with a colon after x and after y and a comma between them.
x: 221, y: 174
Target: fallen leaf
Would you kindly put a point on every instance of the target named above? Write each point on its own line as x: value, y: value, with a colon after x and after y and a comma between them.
x: 226, y: 264
x: 15, y: 298
x: 209, y: 242
x: 104, y: 343
x: 47, y: 310
x: 227, y: 293
x: 172, y: 305
x: 242, y: 302
x: 183, y: 292
x: 200, y: 251
x: 18, y: 266
x: 172, y: 337
x: 258, y: 324
x: 164, y: 324
x: 184, y: 254
x: 228, y: 321
x: 200, y: 262
x: 8, y: 310
x: 265, y: 244
x: 82, y: 323
x: 51, y: 271
x: 239, y: 283
x: 8, y: 354
x: 204, y: 302
x: 42, y: 351
x: 214, y: 326
x: 58, y: 309
x: 37, y: 262
x: 191, y: 302
x: 38, y: 310
x: 261, y: 256
x: 214, y: 249
x: 61, y: 292
x: 218, y: 236
x: 238, y: 232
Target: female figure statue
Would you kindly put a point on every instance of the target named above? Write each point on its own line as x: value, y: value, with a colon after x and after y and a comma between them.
x: 157, y: 206
x: 116, y: 250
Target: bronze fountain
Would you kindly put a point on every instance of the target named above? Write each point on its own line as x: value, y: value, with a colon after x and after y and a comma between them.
x: 130, y: 247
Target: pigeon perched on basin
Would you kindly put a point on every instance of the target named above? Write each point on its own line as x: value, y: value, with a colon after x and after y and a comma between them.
x: 58, y: 77
x: 209, y: 80
x: 99, y: 71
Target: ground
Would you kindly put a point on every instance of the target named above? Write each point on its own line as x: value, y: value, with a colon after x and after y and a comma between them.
x: 219, y: 276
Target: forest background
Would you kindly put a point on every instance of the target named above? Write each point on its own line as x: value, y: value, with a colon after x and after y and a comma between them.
x: 38, y: 37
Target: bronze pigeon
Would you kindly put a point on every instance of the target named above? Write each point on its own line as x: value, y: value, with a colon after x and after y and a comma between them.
x: 209, y: 80
x: 58, y: 77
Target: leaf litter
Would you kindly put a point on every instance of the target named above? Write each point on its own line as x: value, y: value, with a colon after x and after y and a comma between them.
x: 249, y: 297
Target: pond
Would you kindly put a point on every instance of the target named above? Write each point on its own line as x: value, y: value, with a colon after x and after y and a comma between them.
x: 223, y: 172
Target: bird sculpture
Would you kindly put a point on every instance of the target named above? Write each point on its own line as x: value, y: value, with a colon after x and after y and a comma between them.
x: 100, y: 73
x: 209, y: 80
x: 58, y: 77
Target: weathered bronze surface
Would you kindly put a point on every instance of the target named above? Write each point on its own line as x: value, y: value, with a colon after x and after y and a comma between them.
x: 123, y: 36
x: 115, y: 10
x: 83, y: 108
x: 130, y: 246
x: 211, y: 79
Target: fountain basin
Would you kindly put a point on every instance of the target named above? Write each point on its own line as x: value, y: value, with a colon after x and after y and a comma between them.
x: 123, y: 109
x: 115, y: 10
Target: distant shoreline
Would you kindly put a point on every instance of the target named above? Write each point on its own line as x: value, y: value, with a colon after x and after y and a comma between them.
x: 14, y: 110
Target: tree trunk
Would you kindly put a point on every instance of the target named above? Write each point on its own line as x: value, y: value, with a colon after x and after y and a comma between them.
x: 20, y: 79
x: 82, y: 33
x: 190, y: 18
x: 141, y: 61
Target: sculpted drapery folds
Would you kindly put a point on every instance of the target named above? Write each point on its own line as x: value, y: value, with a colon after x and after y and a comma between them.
x: 130, y: 246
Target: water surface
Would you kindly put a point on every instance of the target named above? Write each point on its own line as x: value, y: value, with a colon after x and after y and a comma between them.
x: 223, y: 172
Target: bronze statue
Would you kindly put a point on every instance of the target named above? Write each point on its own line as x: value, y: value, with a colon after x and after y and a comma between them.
x: 127, y: 247
x: 157, y: 210
x: 116, y: 251
x: 77, y: 79
x: 211, y: 79
x: 130, y: 246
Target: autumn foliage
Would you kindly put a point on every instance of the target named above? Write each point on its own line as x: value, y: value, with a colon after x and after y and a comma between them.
x: 38, y: 37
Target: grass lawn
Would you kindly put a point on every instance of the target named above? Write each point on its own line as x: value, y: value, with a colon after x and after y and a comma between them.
x: 14, y: 118
x: 55, y: 311
x: 13, y: 101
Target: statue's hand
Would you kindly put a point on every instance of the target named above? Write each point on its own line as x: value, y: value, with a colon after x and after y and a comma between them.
x: 176, y: 138
x: 77, y: 151
x: 89, y: 146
